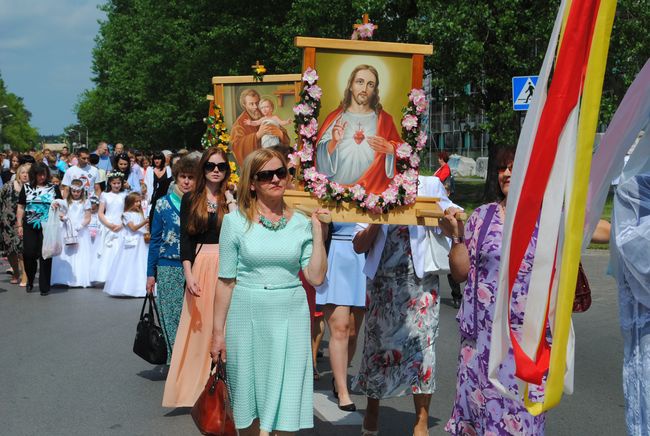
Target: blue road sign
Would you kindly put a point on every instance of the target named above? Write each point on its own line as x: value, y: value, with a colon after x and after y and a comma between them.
x: 523, y: 88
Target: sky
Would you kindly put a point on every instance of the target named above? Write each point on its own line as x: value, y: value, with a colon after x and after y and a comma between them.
x: 46, y: 56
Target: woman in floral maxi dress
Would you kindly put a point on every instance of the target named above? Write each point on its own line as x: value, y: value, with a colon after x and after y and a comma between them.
x: 401, y: 326
x: 479, y: 409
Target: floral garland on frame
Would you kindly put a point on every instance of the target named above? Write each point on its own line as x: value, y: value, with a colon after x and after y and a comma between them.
x: 402, y: 189
x: 216, y: 135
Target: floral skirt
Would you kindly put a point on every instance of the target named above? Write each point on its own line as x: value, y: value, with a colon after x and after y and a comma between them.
x: 401, y: 328
x: 171, y: 290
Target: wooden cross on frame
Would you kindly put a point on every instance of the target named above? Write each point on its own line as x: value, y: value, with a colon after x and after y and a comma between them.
x: 365, y: 20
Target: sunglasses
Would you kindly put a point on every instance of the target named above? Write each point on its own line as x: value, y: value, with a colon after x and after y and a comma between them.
x: 267, y: 176
x: 210, y: 166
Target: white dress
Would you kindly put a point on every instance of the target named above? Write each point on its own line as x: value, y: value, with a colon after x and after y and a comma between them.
x: 109, y: 242
x: 128, y: 276
x: 71, y: 267
x: 94, y: 229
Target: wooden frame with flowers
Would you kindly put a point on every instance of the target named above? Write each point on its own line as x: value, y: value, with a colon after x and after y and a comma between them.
x: 397, y: 203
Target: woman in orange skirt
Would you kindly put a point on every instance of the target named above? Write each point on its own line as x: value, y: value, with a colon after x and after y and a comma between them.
x: 201, y: 214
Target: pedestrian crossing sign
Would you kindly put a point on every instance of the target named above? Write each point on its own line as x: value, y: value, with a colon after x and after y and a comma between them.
x: 523, y: 88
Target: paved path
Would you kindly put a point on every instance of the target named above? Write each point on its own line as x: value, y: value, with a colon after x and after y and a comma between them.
x: 66, y: 368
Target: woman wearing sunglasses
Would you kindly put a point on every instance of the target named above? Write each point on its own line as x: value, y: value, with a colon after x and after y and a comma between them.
x: 202, y: 212
x: 261, y: 314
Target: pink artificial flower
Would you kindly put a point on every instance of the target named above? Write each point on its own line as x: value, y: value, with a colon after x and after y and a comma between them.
x: 404, y: 151
x: 421, y: 140
x: 309, y: 130
x: 294, y: 158
x: 337, y: 188
x: 415, y: 160
x: 390, y: 194
x: 310, y: 76
x: 416, y: 95
x: 410, y: 122
x: 358, y: 192
x: 307, y: 154
x: 315, y: 92
x: 303, y: 109
x: 309, y: 173
x: 371, y: 201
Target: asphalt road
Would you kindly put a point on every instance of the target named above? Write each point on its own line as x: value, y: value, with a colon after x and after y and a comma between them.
x: 66, y: 368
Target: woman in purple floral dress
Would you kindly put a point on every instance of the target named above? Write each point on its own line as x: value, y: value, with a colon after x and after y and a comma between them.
x: 401, y: 325
x: 479, y: 409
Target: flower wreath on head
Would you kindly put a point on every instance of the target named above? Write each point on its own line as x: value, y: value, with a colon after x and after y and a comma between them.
x: 216, y: 135
x: 114, y: 174
x: 402, y: 189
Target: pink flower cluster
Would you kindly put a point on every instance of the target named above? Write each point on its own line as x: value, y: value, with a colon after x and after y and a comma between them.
x: 421, y: 140
x: 404, y: 151
x: 310, y: 76
x: 419, y: 99
x: 303, y: 109
x: 364, y: 31
x: 410, y: 122
x: 315, y: 92
x: 310, y: 129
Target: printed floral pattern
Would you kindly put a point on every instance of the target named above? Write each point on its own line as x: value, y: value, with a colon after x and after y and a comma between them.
x: 401, y: 325
x: 9, y: 240
x: 479, y: 409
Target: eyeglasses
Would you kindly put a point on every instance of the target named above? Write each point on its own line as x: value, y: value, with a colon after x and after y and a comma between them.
x: 292, y: 171
x: 267, y: 176
x: 210, y: 166
x: 502, y: 169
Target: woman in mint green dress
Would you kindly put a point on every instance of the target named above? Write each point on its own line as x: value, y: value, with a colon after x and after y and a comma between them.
x: 261, y: 316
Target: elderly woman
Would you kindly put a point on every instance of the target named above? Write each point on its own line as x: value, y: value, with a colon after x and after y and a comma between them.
x: 474, y: 257
x: 164, y: 259
x: 401, y: 322
x: 261, y: 314
x: 10, y: 243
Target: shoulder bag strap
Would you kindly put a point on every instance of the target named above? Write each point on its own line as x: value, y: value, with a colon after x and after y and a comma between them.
x: 485, y: 225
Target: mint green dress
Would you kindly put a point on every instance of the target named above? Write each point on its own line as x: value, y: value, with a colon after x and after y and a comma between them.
x: 268, y: 326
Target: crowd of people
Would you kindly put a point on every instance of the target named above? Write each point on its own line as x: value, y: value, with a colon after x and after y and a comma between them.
x: 241, y: 277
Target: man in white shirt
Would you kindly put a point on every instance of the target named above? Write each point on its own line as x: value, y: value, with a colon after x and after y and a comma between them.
x: 84, y: 172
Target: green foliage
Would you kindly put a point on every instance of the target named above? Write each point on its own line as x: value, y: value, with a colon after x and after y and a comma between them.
x: 153, y: 65
x: 16, y: 130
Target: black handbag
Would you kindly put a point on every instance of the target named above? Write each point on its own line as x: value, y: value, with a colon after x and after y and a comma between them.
x: 150, y: 341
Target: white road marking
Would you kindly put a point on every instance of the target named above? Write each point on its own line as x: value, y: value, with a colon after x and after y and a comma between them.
x: 326, y: 406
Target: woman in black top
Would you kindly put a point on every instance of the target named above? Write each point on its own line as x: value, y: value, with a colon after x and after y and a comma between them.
x: 202, y: 211
x: 35, y: 202
x: 14, y: 163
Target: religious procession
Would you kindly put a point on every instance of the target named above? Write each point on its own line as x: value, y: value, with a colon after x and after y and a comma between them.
x: 299, y: 269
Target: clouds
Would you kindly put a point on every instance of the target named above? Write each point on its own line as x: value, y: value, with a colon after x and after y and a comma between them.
x: 46, y: 54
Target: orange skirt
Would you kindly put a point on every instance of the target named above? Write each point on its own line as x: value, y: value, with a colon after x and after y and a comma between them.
x: 190, y: 364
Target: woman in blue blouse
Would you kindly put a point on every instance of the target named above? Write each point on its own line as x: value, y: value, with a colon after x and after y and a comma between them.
x: 164, y: 260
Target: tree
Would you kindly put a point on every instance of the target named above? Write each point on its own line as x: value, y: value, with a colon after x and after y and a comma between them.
x: 14, y: 117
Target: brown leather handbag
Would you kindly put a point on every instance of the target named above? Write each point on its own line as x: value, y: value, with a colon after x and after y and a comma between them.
x: 582, y: 300
x: 212, y: 412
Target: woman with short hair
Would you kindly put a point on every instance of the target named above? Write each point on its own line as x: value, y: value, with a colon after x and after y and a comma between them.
x: 261, y: 315
x: 164, y: 266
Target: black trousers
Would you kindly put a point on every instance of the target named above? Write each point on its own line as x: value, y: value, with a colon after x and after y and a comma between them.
x: 456, y: 293
x: 32, y: 250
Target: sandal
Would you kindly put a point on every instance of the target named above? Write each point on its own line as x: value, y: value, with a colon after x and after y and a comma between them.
x: 366, y: 432
x: 22, y: 284
x: 14, y: 281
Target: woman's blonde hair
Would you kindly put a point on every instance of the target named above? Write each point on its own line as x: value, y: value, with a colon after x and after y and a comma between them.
x: 247, y: 198
x: 22, y: 168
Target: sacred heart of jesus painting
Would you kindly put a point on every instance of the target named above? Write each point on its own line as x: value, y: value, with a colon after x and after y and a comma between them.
x: 360, y: 115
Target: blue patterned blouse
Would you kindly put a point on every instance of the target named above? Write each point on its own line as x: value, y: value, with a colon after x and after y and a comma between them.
x: 164, y: 247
